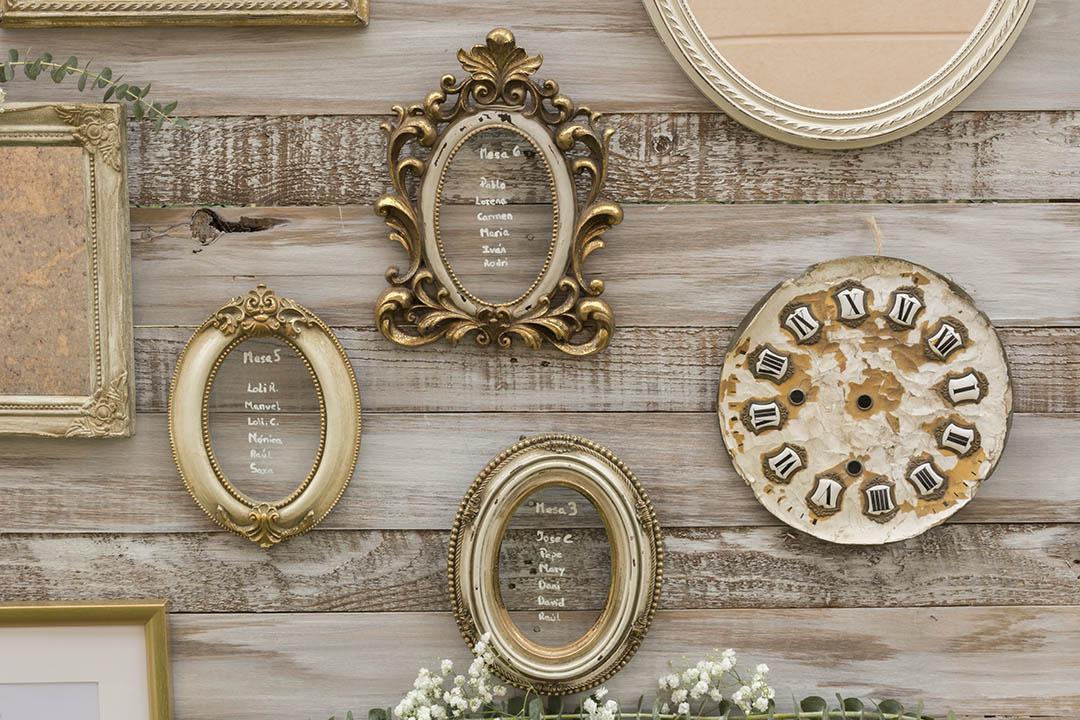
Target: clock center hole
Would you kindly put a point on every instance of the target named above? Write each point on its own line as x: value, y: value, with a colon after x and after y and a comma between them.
x: 797, y: 397
x: 865, y: 402
x: 854, y: 467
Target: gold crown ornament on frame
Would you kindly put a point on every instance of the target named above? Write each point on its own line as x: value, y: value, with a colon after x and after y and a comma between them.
x: 497, y: 201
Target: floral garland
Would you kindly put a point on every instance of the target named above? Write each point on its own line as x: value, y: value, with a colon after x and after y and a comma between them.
x: 697, y: 692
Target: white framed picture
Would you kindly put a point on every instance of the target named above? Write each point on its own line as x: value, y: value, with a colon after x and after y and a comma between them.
x: 52, y: 661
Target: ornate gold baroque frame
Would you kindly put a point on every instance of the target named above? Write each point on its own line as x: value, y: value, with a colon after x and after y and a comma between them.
x: 799, y: 125
x: 425, y: 301
x: 262, y: 313
x: 636, y: 562
x: 151, y: 614
x: 109, y: 410
x: 66, y: 13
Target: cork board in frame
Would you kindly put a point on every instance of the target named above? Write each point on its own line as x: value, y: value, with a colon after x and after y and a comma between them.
x: 66, y: 363
x: 68, y: 13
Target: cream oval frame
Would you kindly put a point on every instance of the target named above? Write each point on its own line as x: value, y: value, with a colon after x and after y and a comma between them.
x: 259, y: 314
x: 636, y: 562
x: 798, y: 125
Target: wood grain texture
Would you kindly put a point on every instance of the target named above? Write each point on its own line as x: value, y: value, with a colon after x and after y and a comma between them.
x: 405, y: 570
x: 644, y: 369
x: 414, y: 469
x: 605, y: 55
x: 656, y: 158
x: 687, y: 265
x: 1004, y: 662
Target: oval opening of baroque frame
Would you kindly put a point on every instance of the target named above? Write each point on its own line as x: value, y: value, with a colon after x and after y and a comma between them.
x: 636, y: 562
x: 262, y: 313
x: 427, y: 300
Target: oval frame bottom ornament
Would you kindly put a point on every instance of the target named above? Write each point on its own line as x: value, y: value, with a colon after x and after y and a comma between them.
x: 636, y: 562
x: 261, y: 313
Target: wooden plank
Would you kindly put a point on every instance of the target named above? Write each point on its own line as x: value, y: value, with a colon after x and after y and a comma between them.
x: 414, y: 468
x: 605, y: 54
x: 673, y: 265
x: 405, y: 570
x: 656, y: 158
x: 978, y: 662
x: 644, y: 369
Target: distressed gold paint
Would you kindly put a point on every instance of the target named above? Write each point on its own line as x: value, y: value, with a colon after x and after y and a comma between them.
x: 882, y: 386
x: 851, y: 359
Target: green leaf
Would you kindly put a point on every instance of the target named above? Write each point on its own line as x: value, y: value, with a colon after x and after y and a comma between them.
x: 374, y: 714
x: 656, y: 709
x: 890, y: 707
x: 536, y: 709
x: 140, y: 111
x: 13, y: 55
x: 813, y: 704
x: 515, y: 705
x: 168, y: 109
x: 852, y: 704
x: 32, y: 70
x: 82, y: 82
x: 104, y: 78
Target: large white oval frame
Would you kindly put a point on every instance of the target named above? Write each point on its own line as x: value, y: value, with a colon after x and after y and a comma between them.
x: 799, y: 125
x: 262, y: 313
x: 636, y: 562
x: 563, y: 206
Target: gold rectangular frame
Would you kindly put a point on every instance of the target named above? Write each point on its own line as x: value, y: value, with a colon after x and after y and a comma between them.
x: 109, y: 409
x: 126, y: 13
x: 152, y: 614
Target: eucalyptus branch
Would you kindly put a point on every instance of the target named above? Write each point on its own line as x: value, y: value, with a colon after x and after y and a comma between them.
x: 130, y: 94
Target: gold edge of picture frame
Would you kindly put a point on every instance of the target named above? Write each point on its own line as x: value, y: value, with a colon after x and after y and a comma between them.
x: 353, y: 13
x: 151, y: 614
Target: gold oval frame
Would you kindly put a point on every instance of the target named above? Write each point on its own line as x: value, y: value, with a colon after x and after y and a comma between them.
x: 795, y: 124
x: 426, y: 302
x: 261, y: 313
x: 636, y: 562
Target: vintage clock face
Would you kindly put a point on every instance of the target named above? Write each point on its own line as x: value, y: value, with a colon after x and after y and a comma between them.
x: 865, y: 401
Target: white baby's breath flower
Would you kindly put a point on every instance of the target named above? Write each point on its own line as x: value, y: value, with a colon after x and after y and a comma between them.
x: 600, y: 692
x: 684, y: 709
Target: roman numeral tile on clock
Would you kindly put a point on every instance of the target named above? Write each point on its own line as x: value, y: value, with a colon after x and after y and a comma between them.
x: 866, y: 400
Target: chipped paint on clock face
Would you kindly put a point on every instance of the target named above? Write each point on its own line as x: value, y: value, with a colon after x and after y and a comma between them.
x: 865, y: 401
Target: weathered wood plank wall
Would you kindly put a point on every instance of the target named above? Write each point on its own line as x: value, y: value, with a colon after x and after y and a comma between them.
x: 981, y: 615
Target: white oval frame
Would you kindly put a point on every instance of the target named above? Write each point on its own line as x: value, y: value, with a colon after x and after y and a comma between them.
x: 562, y: 195
x: 262, y: 313
x: 636, y: 562
x: 808, y: 127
